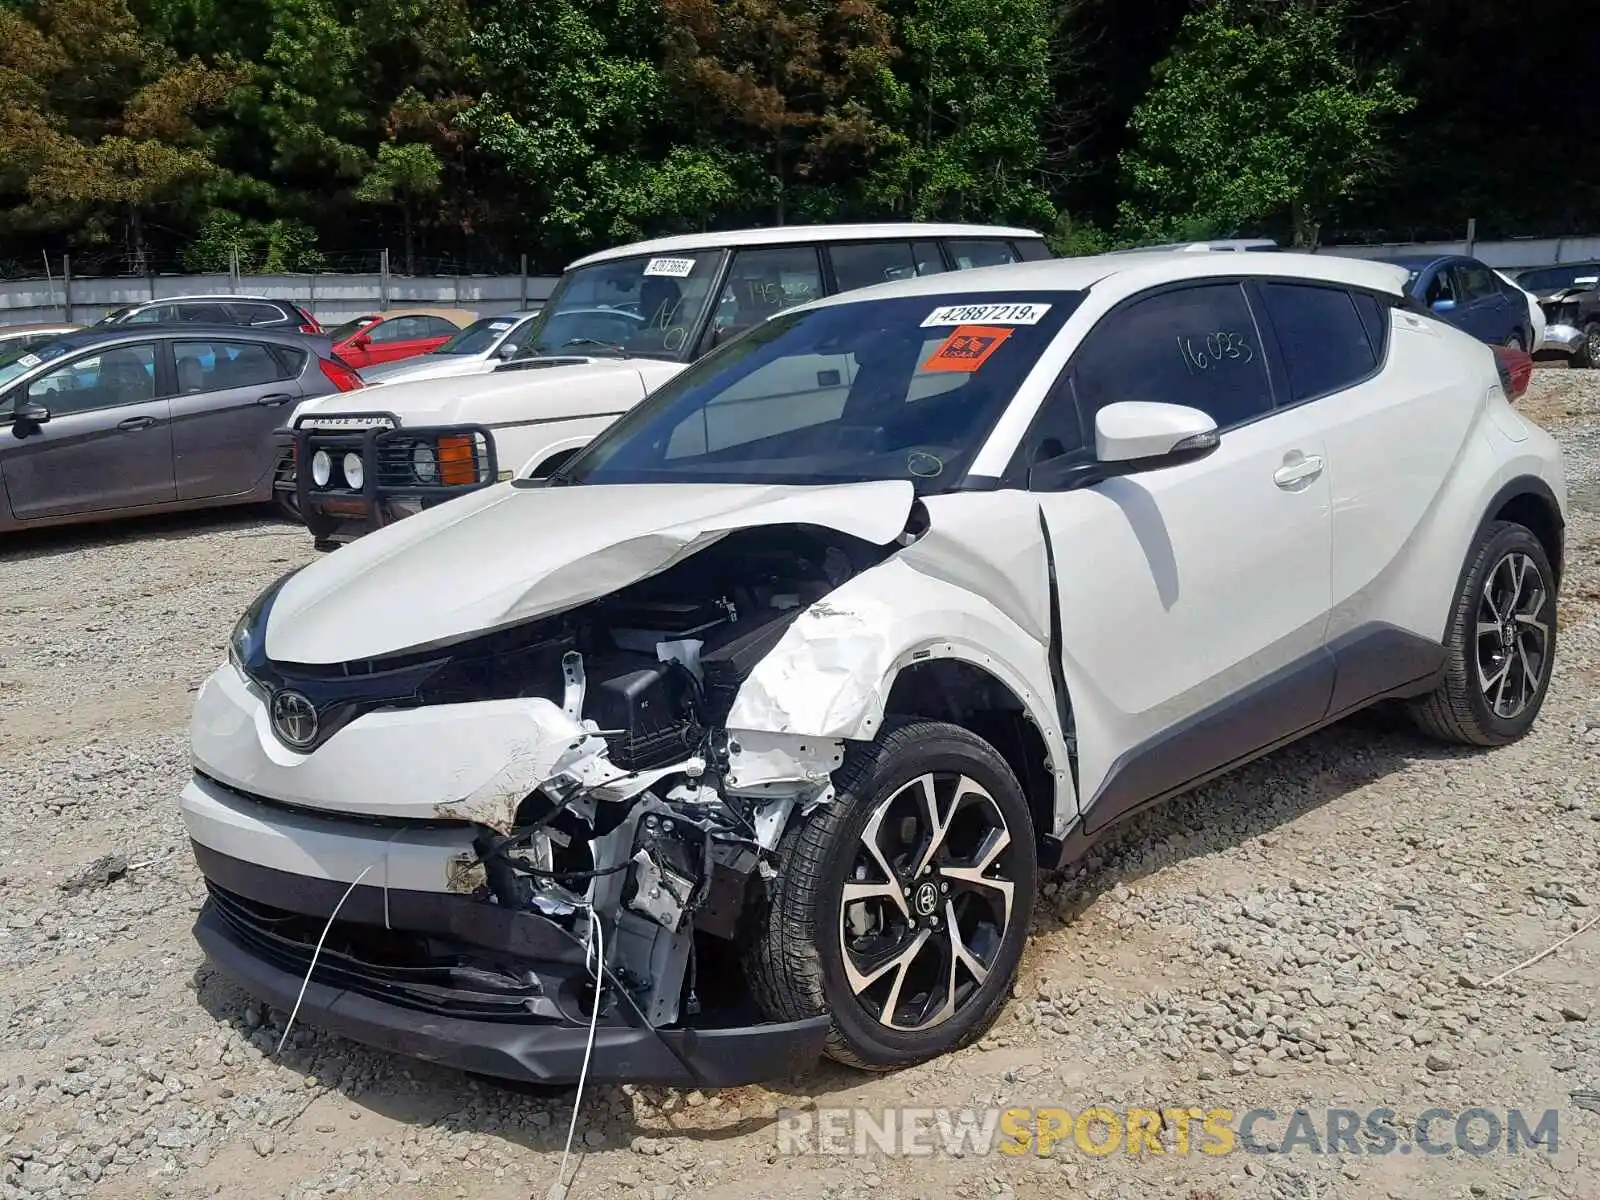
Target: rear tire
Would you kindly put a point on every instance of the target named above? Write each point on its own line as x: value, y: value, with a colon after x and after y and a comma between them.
x: 1500, y: 645
x: 1517, y: 341
x: 931, y: 833
x: 1588, y: 352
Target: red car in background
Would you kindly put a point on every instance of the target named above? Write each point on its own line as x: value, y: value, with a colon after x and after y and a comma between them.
x: 396, y: 334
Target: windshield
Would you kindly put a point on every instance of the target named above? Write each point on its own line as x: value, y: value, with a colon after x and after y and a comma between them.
x: 900, y: 388
x: 115, y: 315
x: 17, y: 361
x: 1550, y: 279
x: 339, y: 332
x: 648, y: 305
x: 479, y: 337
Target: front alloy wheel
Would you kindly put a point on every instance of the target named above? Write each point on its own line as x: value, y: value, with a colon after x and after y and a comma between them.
x: 930, y: 896
x: 900, y: 908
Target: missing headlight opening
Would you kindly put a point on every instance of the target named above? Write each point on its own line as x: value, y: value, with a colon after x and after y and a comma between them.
x: 647, y: 812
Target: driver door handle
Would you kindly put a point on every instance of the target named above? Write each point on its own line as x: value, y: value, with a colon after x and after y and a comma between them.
x: 1291, y: 476
x: 136, y: 423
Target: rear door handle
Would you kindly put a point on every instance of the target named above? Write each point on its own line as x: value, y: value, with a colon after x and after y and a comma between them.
x: 1291, y: 476
x: 273, y: 399
x: 136, y: 423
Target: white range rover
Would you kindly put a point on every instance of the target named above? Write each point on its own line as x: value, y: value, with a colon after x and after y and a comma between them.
x: 747, y: 734
x: 618, y: 324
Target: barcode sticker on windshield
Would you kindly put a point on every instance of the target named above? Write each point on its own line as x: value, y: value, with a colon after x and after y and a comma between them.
x: 671, y: 268
x: 986, y: 314
x: 30, y: 360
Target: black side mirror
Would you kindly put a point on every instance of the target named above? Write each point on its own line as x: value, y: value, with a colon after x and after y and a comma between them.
x: 28, y: 417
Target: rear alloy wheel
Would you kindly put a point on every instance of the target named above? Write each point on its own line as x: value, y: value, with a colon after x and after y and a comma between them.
x: 1588, y: 354
x: 902, y: 907
x: 1501, y: 643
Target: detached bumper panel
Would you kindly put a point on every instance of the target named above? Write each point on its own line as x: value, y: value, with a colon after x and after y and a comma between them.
x: 1565, y: 338
x: 486, y: 1013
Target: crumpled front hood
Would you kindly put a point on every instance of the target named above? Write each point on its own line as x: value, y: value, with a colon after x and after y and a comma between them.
x: 507, y: 554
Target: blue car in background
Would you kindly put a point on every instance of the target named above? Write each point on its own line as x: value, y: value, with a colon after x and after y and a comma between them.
x: 1470, y: 296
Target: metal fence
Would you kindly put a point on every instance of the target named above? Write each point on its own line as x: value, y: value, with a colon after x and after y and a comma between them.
x: 332, y: 297
x: 1509, y: 254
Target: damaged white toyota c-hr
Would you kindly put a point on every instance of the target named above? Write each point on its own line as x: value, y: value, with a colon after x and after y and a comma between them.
x: 747, y: 734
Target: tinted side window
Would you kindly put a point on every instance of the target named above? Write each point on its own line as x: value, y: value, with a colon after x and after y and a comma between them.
x: 1375, y: 317
x: 435, y: 327
x: 763, y: 282
x: 121, y: 375
x: 218, y: 366
x: 862, y: 264
x: 1320, y: 333
x: 204, y: 314
x: 159, y: 314
x: 290, y: 361
x: 1441, y: 287
x: 399, y: 329
x: 256, y: 314
x: 929, y: 260
x: 1032, y: 249
x: 1478, y: 282
x: 1196, y: 345
x: 981, y: 253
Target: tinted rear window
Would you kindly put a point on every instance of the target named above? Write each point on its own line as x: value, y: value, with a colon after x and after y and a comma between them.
x: 1324, y: 342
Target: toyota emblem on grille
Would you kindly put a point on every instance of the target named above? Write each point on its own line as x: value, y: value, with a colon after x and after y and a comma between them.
x: 294, y: 719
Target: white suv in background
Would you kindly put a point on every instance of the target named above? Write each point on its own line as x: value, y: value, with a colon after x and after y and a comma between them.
x: 748, y: 733
x: 620, y: 322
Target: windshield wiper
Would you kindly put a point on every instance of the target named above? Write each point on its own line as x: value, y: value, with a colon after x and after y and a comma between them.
x: 588, y: 341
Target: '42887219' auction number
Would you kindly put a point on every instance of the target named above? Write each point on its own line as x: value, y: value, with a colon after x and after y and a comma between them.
x: 1215, y: 350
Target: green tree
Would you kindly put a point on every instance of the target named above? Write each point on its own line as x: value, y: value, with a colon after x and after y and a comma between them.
x: 272, y: 247
x: 99, y: 123
x: 977, y: 96
x: 1261, y: 114
x: 570, y: 96
x: 799, y: 89
x: 405, y: 175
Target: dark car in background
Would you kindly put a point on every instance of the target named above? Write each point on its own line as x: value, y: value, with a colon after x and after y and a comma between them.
x: 256, y: 312
x: 18, y: 339
x: 128, y: 420
x: 1570, y: 296
x: 1470, y: 296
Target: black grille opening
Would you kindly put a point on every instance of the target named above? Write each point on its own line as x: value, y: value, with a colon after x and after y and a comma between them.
x: 404, y: 969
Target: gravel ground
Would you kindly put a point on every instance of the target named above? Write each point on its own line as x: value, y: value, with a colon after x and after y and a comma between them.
x: 1314, y: 931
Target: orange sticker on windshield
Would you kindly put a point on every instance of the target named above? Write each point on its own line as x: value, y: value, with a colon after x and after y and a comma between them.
x: 966, y: 349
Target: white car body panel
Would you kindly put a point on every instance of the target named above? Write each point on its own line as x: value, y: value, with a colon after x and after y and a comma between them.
x: 1177, y: 641
x: 1125, y: 626
x: 571, y: 545
x: 1536, y: 320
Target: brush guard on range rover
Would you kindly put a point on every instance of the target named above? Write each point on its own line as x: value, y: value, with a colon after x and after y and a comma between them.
x: 373, y: 471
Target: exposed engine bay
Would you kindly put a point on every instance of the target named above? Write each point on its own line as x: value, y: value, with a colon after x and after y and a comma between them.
x: 654, y: 820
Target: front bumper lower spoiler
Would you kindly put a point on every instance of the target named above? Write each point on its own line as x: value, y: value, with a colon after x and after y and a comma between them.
x: 530, y: 1051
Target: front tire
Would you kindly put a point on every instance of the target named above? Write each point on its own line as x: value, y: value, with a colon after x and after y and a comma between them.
x: 901, y: 907
x: 1500, y: 646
